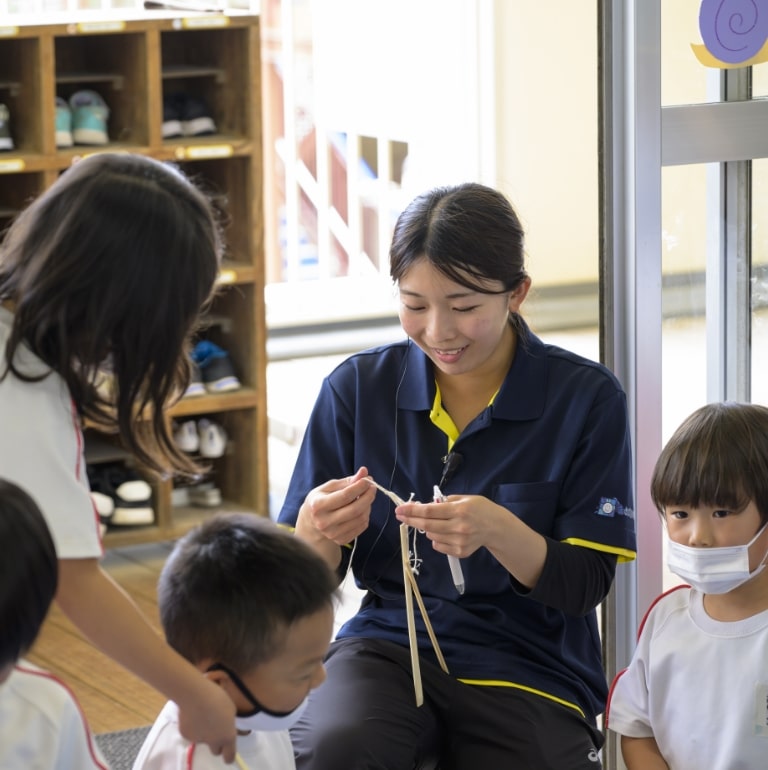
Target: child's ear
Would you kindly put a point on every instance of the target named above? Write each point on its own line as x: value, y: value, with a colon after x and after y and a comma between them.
x: 217, y: 676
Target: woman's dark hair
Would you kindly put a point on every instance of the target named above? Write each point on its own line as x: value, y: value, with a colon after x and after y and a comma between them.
x: 114, y: 262
x: 717, y: 457
x: 233, y: 586
x: 29, y: 571
x: 469, y: 232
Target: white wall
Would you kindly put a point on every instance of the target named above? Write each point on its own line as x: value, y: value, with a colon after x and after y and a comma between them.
x: 404, y: 70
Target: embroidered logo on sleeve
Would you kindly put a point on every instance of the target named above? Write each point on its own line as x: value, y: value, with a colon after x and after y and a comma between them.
x: 610, y: 506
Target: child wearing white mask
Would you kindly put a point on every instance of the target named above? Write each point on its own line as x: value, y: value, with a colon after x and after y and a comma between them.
x: 695, y: 694
x: 251, y: 606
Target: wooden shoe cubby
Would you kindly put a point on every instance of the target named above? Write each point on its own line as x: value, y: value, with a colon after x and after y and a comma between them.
x: 133, y: 58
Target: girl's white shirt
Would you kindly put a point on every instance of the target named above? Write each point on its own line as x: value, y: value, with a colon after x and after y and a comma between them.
x: 165, y: 749
x: 41, y: 450
x: 699, y: 686
x: 42, y: 726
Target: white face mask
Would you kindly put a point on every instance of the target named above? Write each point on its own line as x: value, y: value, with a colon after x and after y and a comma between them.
x: 260, y: 718
x: 713, y: 570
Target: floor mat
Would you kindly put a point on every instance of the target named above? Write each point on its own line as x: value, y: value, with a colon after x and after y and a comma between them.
x: 121, y: 747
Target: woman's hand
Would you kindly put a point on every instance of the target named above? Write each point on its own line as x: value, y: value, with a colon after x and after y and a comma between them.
x: 458, y: 526
x: 335, y: 513
x: 464, y: 523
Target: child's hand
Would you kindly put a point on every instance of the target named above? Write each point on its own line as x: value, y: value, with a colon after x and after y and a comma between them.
x: 209, y: 718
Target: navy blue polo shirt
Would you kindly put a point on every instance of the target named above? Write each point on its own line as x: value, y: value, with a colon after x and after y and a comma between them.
x: 553, y: 448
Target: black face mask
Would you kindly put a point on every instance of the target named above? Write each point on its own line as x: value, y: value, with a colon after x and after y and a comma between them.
x: 259, y: 718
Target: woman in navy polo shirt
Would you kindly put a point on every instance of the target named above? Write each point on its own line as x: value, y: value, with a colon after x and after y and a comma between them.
x: 530, y: 446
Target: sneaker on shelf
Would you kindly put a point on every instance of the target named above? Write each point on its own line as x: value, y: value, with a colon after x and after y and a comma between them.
x: 213, y: 438
x: 171, y: 127
x: 204, y: 495
x: 63, y: 124
x: 6, y: 142
x: 195, y: 114
x: 216, y: 368
x: 89, y: 118
x: 195, y: 387
x: 186, y: 437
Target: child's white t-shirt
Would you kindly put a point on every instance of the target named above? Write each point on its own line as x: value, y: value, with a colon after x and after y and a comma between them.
x: 697, y: 685
x: 42, y: 726
x: 41, y: 450
x: 165, y: 749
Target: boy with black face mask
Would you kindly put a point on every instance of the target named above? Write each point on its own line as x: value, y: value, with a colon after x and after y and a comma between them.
x: 696, y: 692
x: 251, y: 606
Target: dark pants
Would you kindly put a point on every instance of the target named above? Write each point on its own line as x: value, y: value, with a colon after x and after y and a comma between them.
x: 364, y: 716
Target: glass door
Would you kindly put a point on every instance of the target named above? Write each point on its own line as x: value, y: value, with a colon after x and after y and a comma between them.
x: 684, y: 182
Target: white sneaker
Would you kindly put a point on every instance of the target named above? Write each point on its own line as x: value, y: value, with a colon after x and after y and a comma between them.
x: 186, y: 436
x: 213, y: 438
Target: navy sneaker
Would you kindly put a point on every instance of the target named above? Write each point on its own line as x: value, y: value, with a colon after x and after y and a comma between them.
x: 186, y: 115
x: 195, y: 387
x: 171, y: 116
x: 196, y: 117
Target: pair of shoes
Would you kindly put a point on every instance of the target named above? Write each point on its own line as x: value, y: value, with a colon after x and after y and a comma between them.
x: 87, y: 120
x: 130, y: 495
x: 204, y: 436
x: 216, y: 368
x: 204, y: 495
x: 186, y: 115
x: 195, y: 387
x: 6, y: 141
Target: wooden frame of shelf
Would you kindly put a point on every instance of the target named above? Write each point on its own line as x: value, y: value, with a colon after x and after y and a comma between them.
x: 132, y: 59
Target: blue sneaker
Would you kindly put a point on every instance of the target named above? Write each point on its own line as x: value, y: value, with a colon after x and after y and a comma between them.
x: 215, y: 367
x: 89, y: 118
x: 63, y: 124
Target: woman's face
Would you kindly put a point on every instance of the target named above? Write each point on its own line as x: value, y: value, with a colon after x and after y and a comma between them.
x: 461, y: 330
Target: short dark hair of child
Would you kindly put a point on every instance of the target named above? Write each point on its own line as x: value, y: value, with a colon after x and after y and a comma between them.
x: 718, y: 456
x: 233, y: 586
x: 29, y: 571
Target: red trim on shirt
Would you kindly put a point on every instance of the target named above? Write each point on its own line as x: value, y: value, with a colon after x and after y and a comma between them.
x: 78, y: 438
x: 51, y: 677
x: 654, y: 603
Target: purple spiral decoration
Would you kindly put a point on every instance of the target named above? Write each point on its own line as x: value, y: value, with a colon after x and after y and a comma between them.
x: 733, y: 30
